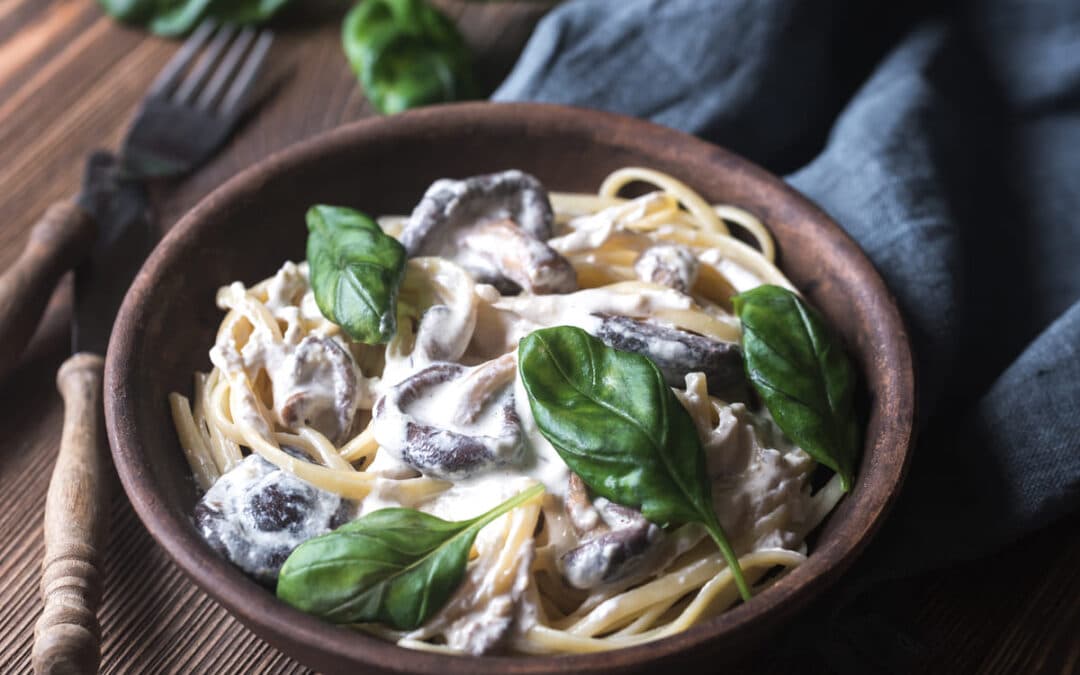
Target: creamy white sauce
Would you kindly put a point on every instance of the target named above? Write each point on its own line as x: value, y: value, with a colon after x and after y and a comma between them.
x: 314, y: 379
x: 591, y: 231
x: 541, y: 461
x: 761, y: 489
x: 479, y: 616
x: 741, y: 278
x: 517, y: 316
x: 472, y: 496
x: 443, y: 415
x: 760, y: 482
x: 258, y: 514
x: 668, y: 264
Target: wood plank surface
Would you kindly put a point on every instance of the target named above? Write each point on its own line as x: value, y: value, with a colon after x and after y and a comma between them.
x: 69, y: 80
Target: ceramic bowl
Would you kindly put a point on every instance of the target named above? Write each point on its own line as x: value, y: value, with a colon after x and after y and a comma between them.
x: 248, y: 227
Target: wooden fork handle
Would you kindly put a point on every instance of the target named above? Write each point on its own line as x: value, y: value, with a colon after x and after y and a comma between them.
x: 67, y: 635
x: 57, y: 243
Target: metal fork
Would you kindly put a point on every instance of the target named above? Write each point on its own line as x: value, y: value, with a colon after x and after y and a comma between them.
x: 182, y: 122
x: 189, y: 112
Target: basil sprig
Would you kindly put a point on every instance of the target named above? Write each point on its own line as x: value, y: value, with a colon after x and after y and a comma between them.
x: 406, y: 54
x: 355, y: 272
x: 617, y: 425
x: 176, y: 17
x: 801, y: 373
x: 394, y: 566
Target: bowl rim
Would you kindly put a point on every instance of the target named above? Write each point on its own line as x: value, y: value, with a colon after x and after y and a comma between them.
x: 279, y: 624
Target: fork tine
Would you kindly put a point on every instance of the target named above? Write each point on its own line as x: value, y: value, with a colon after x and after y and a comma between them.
x: 225, y: 69
x: 248, y: 75
x: 172, y: 71
x: 202, y: 67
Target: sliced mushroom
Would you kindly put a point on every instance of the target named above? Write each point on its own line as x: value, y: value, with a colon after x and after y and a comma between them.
x: 617, y: 541
x: 478, y: 618
x: 496, y: 227
x: 610, y: 557
x: 256, y: 514
x: 499, y: 251
x: 583, y: 515
x: 451, y: 204
x: 315, y: 385
x: 484, y: 382
x: 446, y: 327
x: 442, y: 335
x: 486, y: 630
x: 446, y: 448
x: 678, y: 352
x: 669, y: 265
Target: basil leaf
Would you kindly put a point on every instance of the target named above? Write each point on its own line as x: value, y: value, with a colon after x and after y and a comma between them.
x: 355, y: 272
x: 406, y: 54
x: 801, y: 373
x: 176, y: 17
x: 615, y: 422
x: 394, y: 566
x: 252, y: 11
x: 134, y: 11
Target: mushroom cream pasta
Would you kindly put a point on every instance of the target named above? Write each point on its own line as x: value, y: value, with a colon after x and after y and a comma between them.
x: 518, y: 421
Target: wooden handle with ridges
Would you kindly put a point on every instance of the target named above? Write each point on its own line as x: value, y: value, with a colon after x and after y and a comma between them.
x: 67, y: 636
x: 57, y: 243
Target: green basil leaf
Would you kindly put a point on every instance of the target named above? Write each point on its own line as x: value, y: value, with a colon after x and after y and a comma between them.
x: 132, y: 11
x: 355, y: 272
x: 176, y: 17
x: 394, y: 566
x: 406, y: 54
x: 252, y: 11
x: 801, y: 373
x: 617, y: 425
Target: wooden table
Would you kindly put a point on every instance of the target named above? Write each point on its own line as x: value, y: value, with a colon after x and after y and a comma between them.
x: 69, y: 79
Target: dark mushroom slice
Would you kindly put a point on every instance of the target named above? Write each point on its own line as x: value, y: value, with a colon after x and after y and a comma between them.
x: 584, y: 517
x: 616, y: 545
x: 484, y: 632
x: 256, y: 514
x: 482, y: 383
x: 435, y: 450
x: 495, y: 226
x: 678, y: 352
x: 316, y: 386
x: 451, y: 204
x: 611, y: 556
x: 441, y: 335
x: 670, y: 265
x: 499, y: 251
x: 483, y: 627
x: 445, y: 329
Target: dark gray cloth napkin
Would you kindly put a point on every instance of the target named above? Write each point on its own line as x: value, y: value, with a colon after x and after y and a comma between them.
x: 948, y: 145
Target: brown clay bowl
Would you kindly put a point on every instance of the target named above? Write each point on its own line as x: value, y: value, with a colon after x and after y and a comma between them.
x: 248, y: 227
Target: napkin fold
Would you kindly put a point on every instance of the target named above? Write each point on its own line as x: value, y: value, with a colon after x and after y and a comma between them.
x: 947, y: 143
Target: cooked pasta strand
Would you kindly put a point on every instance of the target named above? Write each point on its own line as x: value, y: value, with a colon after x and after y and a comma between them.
x: 519, y: 557
x: 690, y: 199
x: 192, y: 443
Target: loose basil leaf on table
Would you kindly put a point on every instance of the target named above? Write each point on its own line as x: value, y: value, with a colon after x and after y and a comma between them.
x: 406, y: 54
x: 395, y: 566
x: 615, y: 422
x: 355, y: 272
x: 801, y: 373
x: 251, y: 11
x: 177, y: 17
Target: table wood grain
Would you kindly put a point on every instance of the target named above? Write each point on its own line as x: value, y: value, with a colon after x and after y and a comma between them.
x: 69, y: 79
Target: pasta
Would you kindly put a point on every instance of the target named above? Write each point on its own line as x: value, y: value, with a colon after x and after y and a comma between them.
x: 281, y: 369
